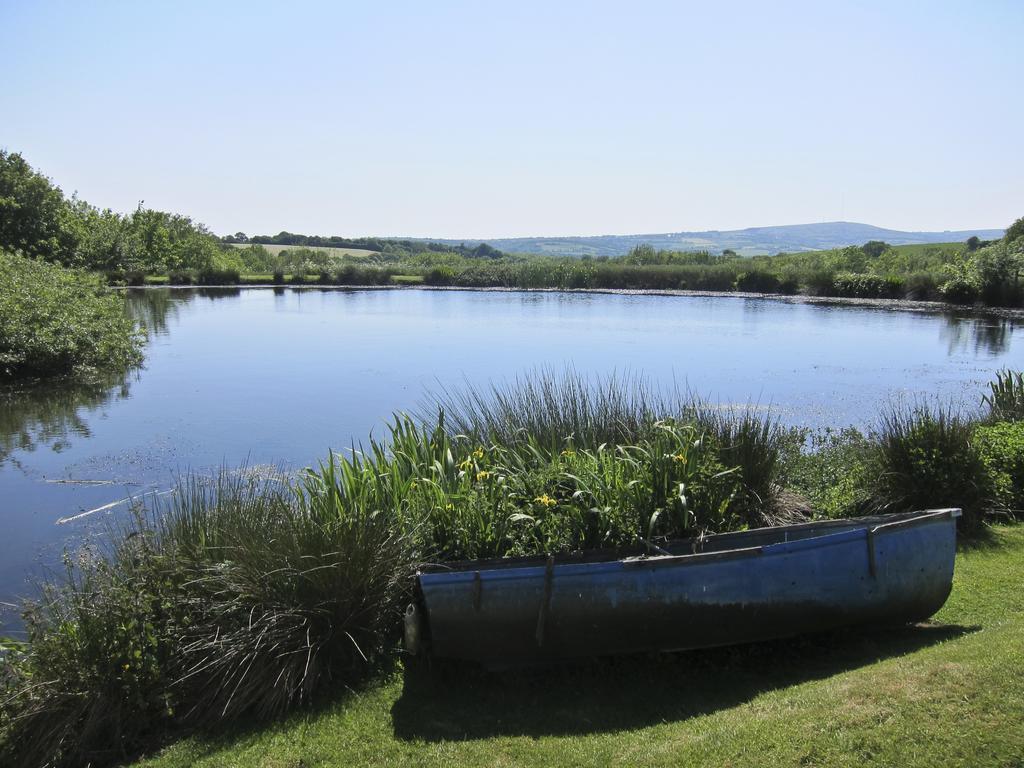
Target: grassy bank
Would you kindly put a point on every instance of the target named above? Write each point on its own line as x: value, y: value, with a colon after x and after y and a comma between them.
x: 948, y: 693
x: 245, y: 597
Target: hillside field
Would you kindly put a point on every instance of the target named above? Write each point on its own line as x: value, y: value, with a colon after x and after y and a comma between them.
x: 274, y: 250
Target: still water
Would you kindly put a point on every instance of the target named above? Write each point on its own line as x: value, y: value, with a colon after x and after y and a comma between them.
x: 264, y: 376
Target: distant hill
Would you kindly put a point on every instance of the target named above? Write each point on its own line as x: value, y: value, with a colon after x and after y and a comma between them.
x: 753, y: 241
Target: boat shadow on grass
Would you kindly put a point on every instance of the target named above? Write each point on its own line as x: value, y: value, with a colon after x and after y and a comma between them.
x: 462, y: 702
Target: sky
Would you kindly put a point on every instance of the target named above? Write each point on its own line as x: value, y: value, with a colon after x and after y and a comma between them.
x: 499, y: 119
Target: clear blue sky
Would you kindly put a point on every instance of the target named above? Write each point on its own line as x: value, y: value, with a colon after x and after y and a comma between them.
x: 481, y: 119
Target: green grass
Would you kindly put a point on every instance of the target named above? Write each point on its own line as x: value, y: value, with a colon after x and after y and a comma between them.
x: 276, y: 249
x: 407, y: 279
x: 947, y: 693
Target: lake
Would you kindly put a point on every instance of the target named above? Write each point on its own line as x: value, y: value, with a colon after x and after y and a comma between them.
x: 279, y: 376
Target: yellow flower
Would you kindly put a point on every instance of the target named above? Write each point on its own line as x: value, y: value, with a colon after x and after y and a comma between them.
x: 483, y: 475
x: 545, y: 500
x: 449, y: 506
x: 466, y: 463
x: 413, y: 485
x: 127, y: 667
x: 478, y: 453
x: 568, y: 452
x: 680, y: 457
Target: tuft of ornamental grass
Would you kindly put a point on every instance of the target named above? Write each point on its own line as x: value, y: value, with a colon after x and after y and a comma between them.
x: 1005, y: 398
x: 925, y: 458
x: 554, y: 410
x: 287, y: 589
x: 242, y: 598
x: 550, y: 408
x: 755, y: 443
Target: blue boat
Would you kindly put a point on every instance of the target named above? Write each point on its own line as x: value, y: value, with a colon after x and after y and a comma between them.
x: 714, y: 590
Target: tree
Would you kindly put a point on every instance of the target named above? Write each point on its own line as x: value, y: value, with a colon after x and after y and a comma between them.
x: 973, y: 243
x: 35, y: 219
x: 1015, y: 231
x: 874, y: 248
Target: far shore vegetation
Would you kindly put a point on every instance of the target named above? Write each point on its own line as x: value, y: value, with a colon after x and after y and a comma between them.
x: 247, y: 595
x: 154, y: 247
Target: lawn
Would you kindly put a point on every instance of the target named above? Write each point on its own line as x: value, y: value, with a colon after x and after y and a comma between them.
x: 949, y: 692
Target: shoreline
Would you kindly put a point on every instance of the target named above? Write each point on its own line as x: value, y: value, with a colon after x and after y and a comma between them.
x: 896, y: 305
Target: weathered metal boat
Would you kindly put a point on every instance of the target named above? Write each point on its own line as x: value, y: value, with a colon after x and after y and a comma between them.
x: 715, y: 590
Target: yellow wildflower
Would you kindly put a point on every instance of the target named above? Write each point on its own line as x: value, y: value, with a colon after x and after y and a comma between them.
x: 545, y: 500
x: 482, y: 475
x: 680, y: 457
x: 568, y: 452
x: 466, y: 463
x: 449, y: 507
x: 478, y: 453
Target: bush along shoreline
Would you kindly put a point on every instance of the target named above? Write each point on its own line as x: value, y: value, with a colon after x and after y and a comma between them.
x: 246, y: 596
x: 55, y: 322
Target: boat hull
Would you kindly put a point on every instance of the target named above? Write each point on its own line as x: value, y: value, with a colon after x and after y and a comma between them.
x: 733, y: 588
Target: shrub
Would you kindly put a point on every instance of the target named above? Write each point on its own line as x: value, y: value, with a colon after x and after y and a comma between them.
x: 758, y: 281
x: 55, y: 321
x: 213, y: 276
x: 1002, y: 450
x: 923, y: 459
x: 180, y: 278
x: 959, y: 291
x: 864, y: 286
x: 831, y: 474
x: 93, y: 680
x: 278, y: 277
x: 921, y: 286
x: 1005, y: 399
x: 442, y: 275
x: 819, y: 282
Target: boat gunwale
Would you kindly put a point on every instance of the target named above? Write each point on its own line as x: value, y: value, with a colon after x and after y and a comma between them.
x: 635, y: 557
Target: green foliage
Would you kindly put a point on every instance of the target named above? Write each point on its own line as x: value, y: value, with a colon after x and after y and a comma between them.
x: 37, y: 221
x: 864, y: 286
x: 1015, y: 231
x: 829, y: 470
x: 55, y: 321
x: 241, y: 599
x: 248, y: 594
x: 34, y: 217
x: 1005, y: 398
x: 1002, y: 450
x: 874, y: 248
x: 93, y: 681
x: 922, y: 458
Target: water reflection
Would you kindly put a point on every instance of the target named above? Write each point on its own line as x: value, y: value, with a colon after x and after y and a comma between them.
x: 980, y: 335
x: 155, y: 308
x: 54, y: 413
